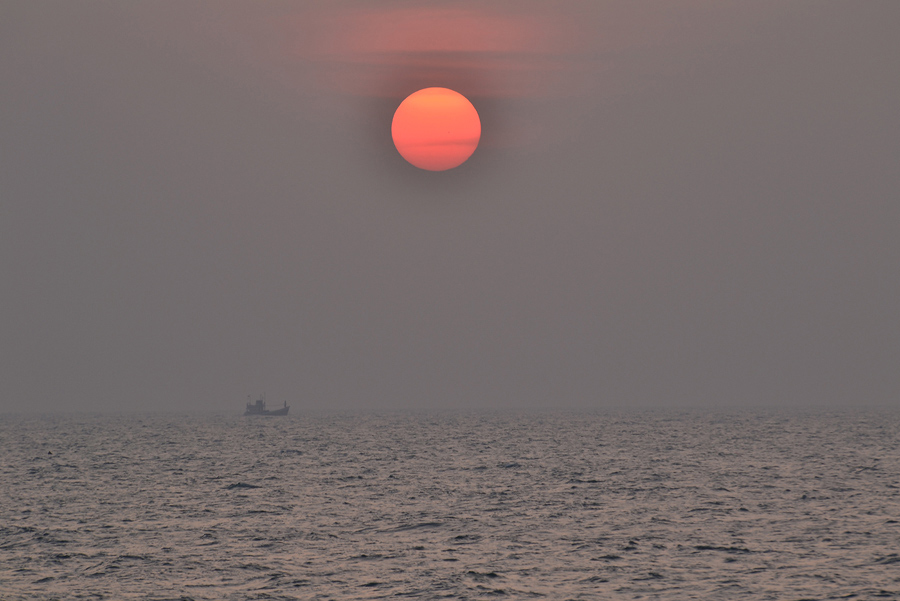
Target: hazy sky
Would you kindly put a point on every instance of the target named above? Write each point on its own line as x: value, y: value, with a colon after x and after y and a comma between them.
x: 681, y: 203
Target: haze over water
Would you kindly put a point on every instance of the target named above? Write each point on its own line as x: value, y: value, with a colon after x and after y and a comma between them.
x: 660, y: 505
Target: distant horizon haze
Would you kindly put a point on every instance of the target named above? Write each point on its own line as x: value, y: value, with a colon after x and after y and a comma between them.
x: 677, y: 205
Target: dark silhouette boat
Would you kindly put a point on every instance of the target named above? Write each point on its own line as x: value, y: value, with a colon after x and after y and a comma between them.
x: 259, y: 408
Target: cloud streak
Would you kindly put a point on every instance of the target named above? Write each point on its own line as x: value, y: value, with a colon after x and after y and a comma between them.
x: 391, y: 51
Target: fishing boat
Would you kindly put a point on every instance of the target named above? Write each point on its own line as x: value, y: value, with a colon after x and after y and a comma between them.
x: 259, y: 408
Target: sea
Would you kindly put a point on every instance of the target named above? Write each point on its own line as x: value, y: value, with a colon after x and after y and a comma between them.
x: 630, y: 505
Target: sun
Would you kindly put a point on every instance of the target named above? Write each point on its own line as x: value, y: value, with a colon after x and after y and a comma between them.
x: 436, y: 129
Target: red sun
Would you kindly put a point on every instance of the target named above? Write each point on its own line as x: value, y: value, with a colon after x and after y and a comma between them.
x: 436, y: 129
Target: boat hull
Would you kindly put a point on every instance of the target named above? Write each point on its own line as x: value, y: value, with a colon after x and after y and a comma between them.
x: 282, y: 411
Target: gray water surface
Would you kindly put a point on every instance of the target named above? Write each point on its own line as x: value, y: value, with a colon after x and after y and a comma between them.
x: 556, y: 506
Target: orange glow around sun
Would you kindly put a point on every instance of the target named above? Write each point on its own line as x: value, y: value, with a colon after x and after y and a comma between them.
x: 436, y: 129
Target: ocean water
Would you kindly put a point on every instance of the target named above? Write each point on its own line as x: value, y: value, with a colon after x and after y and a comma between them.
x: 475, y: 506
